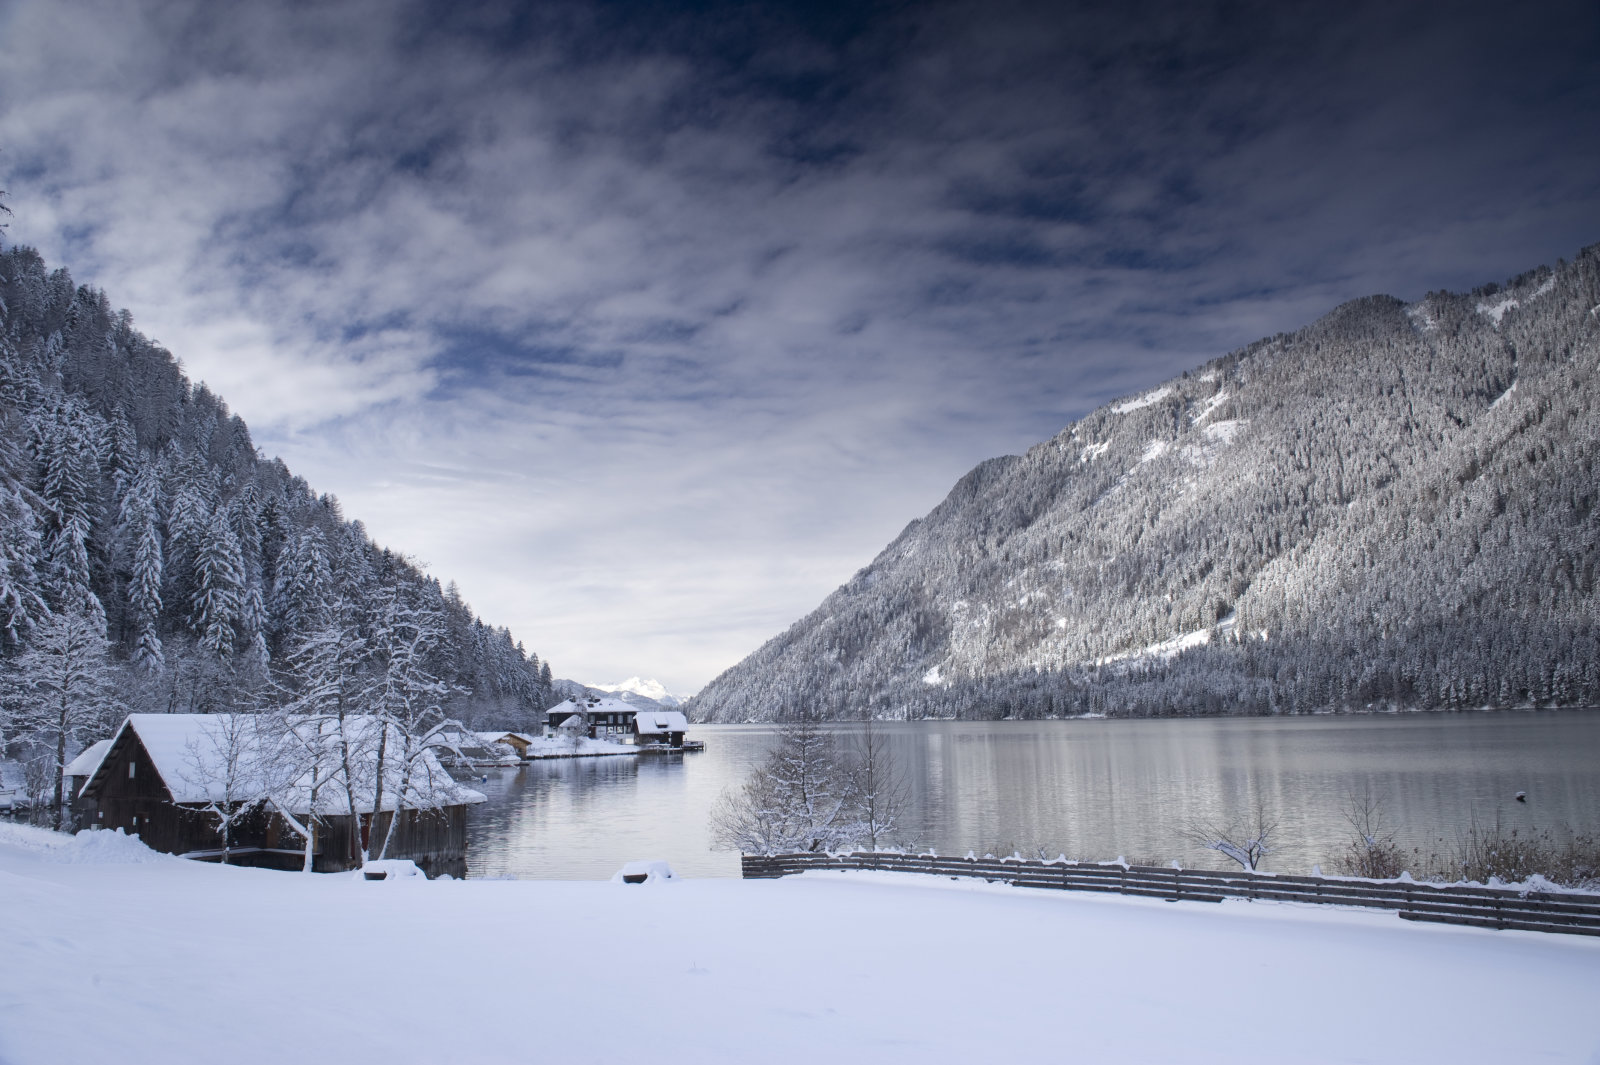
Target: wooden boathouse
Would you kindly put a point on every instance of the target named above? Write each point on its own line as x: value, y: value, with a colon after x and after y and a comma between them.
x: 167, y: 778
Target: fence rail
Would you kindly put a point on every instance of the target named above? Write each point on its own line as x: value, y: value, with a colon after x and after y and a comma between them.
x: 1463, y: 904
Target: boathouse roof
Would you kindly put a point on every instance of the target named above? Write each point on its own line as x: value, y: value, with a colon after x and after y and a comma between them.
x: 660, y: 722
x: 190, y: 752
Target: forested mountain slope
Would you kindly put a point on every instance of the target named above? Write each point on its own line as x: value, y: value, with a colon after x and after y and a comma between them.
x: 1395, y: 506
x: 132, y: 498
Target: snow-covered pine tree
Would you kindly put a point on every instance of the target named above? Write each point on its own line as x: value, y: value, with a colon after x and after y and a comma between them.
x: 219, y: 589
x: 61, y: 690
x: 304, y: 584
x: 67, y: 443
x: 20, y: 599
x: 98, y: 422
x: 144, y: 598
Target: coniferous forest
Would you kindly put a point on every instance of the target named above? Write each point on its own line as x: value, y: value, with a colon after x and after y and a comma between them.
x: 146, y: 543
x: 1392, y: 508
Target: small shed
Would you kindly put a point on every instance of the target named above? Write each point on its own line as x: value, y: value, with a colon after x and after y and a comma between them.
x: 81, y: 768
x: 666, y: 727
x: 517, y: 741
x: 474, y: 749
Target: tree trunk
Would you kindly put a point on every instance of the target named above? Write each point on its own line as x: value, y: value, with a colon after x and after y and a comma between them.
x: 399, y: 804
x: 349, y: 788
x: 311, y: 824
x: 377, y: 793
x: 61, y: 757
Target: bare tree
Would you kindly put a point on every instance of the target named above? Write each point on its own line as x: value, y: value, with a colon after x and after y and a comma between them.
x: 1247, y: 841
x: 226, y: 762
x: 326, y: 683
x: 299, y: 767
x: 798, y: 799
x: 37, y: 778
x: 877, y: 786
x: 1372, y: 851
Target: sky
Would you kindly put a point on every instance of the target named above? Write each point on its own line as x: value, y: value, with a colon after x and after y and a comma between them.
x: 649, y: 324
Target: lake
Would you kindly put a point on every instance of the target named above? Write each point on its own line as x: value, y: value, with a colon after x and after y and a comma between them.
x: 1092, y: 789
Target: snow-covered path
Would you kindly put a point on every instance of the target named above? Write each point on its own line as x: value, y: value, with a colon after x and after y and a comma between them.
x: 110, y: 953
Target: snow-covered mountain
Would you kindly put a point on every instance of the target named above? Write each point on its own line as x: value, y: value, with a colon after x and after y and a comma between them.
x: 1394, y: 506
x: 653, y: 690
x: 647, y: 694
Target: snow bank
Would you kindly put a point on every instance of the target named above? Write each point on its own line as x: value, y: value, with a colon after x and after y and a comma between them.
x: 1497, y: 311
x: 85, y: 848
x: 561, y: 747
x: 1169, y: 649
x: 646, y: 872
x: 390, y: 869
x: 1149, y: 399
x: 1211, y: 406
x: 1160, y: 652
x: 174, y: 961
x: 1225, y: 432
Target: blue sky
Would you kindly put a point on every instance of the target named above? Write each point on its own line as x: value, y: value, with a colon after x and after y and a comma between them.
x: 650, y: 324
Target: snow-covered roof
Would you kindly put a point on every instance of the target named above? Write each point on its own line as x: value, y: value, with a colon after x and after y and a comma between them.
x: 606, y: 704
x: 86, y: 763
x: 190, y: 751
x: 660, y: 722
x: 575, y: 721
x: 501, y: 737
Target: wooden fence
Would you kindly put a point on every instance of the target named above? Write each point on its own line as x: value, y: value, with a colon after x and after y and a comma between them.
x: 1483, y: 907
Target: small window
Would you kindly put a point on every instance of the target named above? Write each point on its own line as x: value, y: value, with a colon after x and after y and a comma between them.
x: 131, y: 767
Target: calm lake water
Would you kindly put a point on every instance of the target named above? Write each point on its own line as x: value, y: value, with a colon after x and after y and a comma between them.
x: 1088, y: 789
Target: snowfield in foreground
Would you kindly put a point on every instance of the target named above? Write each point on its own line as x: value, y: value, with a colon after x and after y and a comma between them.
x: 109, y: 952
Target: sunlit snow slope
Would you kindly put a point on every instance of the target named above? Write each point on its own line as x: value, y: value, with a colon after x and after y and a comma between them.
x: 1394, y: 506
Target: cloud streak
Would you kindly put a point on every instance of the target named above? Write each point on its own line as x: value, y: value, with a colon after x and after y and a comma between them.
x: 648, y: 327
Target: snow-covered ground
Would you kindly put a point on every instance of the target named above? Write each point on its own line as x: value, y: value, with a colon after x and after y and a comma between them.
x: 111, y: 953
x: 561, y: 747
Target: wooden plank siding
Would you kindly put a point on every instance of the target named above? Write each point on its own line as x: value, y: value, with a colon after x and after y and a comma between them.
x: 1505, y: 908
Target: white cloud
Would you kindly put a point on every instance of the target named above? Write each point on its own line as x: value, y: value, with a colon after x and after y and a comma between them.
x: 645, y: 354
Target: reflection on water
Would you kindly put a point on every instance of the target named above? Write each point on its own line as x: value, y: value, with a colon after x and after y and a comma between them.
x: 1092, y: 789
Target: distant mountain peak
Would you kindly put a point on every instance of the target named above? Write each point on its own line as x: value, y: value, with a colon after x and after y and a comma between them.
x: 653, y: 690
